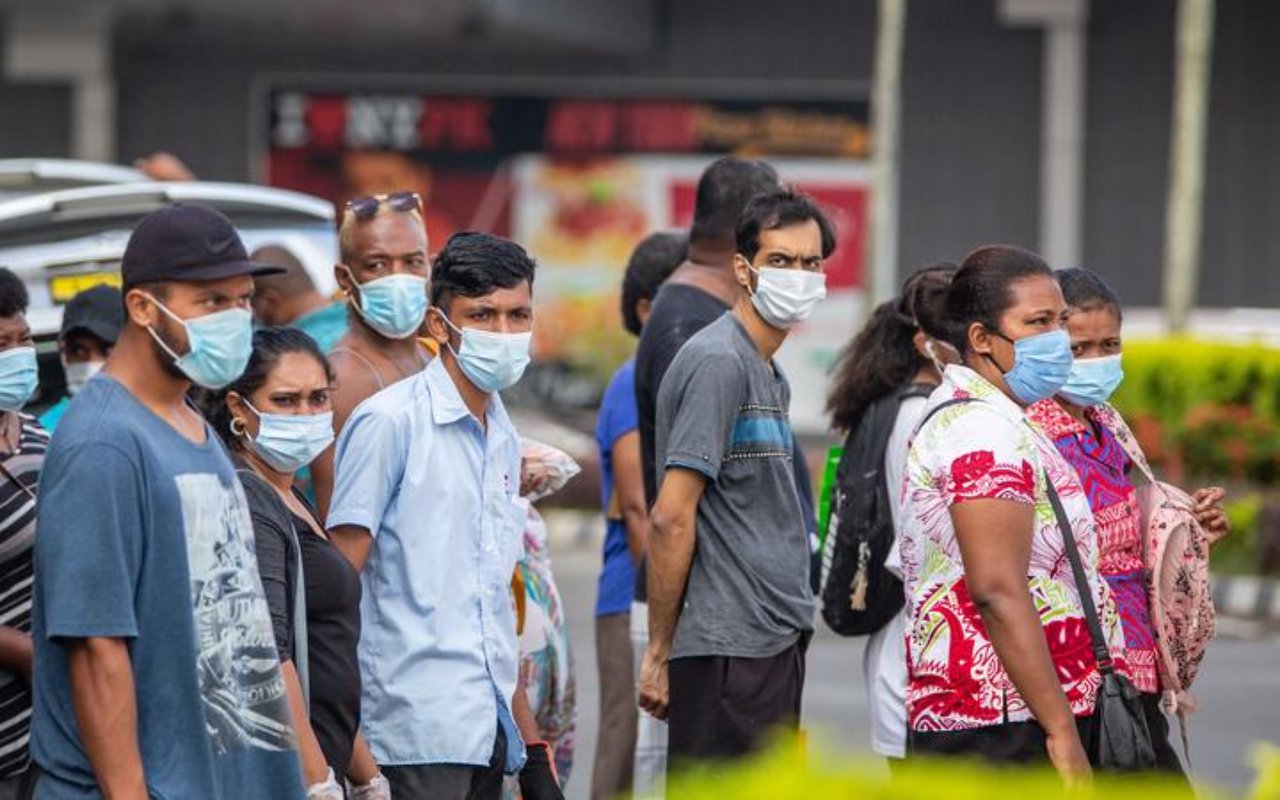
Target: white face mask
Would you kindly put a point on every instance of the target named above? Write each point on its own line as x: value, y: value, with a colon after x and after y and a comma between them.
x: 785, y: 297
x: 79, y: 374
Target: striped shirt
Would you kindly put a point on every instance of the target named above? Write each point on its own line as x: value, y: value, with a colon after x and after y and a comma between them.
x: 19, y: 473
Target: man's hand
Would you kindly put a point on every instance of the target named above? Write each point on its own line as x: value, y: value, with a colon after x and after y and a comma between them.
x: 655, y: 697
x: 1068, y: 758
x: 1210, y: 513
x: 538, y: 779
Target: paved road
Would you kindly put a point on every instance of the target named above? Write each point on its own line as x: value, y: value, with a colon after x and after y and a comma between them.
x: 1239, y: 688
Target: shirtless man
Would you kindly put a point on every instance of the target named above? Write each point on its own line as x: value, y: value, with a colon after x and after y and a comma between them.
x: 383, y: 273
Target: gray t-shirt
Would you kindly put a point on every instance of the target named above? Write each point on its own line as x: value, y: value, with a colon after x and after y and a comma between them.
x: 722, y: 412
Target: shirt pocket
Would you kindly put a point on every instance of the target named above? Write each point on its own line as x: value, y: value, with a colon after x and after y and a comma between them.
x: 506, y: 515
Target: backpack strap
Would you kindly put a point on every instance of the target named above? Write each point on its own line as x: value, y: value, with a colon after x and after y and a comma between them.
x: 285, y: 519
x: 1109, y: 418
x: 955, y: 401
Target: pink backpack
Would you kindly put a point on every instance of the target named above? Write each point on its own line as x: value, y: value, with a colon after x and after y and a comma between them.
x: 1176, y: 552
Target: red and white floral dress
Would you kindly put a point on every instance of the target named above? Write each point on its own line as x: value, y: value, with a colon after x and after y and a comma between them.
x: 987, y: 449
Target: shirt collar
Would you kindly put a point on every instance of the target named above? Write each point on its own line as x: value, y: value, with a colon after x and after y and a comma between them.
x: 1054, y: 420
x: 447, y: 406
x: 964, y: 382
x: 446, y: 401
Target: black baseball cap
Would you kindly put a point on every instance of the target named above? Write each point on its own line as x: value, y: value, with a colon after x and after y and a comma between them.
x: 99, y: 311
x: 186, y: 243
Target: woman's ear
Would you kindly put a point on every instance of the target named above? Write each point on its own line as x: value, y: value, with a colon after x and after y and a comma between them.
x: 241, y: 418
x: 919, y: 341
x: 979, y: 339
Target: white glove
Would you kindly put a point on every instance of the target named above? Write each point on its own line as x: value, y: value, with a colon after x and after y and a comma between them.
x: 377, y: 789
x: 328, y: 790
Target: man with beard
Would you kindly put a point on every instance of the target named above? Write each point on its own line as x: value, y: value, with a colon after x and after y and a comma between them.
x: 140, y: 510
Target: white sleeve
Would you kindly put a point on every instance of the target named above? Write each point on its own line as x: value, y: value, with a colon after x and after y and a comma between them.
x: 895, y: 467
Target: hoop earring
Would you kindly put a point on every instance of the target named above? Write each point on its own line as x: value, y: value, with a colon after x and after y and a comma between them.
x: 237, y: 426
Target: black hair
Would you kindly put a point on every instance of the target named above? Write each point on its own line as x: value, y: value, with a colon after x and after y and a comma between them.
x: 269, y: 346
x: 780, y: 208
x: 882, y: 357
x: 13, y: 294
x: 475, y: 264
x: 723, y: 191
x: 1087, y: 291
x: 651, y: 263
x: 981, y: 290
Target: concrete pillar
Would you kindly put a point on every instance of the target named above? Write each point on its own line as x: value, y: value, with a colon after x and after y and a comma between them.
x: 1062, y: 121
x: 73, y: 47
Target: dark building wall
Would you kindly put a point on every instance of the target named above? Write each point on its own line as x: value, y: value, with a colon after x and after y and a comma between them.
x: 1131, y: 68
x: 1241, y: 255
x: 188, y: 88
x: 37, y: 120
x: 970, y: 132
x: 971, y: 112
x: 1127, y: 144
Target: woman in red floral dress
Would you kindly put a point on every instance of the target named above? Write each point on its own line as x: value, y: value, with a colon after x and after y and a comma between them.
x: 1000, y: 661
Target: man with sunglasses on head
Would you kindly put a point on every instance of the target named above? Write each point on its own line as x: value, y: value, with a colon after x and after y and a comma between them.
x: 158, y: 670
x: 383, y: 273
x: 427, y: 474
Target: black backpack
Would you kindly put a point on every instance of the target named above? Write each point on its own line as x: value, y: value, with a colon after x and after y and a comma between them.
x: 859, y: 596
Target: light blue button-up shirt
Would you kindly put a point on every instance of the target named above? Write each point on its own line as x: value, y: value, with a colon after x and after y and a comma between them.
x: 438, y: 640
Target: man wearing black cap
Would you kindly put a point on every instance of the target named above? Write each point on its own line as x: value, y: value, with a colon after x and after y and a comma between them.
x: 158, y: 673
x: 90, y: 326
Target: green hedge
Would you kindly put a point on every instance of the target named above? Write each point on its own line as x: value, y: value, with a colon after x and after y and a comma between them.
x: 785, y: 773
x: 1205, y: 410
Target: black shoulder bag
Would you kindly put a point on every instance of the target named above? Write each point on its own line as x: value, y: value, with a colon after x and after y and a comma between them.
x: 1121, y: 741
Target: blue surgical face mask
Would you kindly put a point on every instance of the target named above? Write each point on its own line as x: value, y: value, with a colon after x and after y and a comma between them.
x: 289, y: 442
x: 393, y: 306
x: 492, y: 361
x: 1041, y: 364
x: 220, y: 345
x: 18, y: 377
x: 1092, y: 380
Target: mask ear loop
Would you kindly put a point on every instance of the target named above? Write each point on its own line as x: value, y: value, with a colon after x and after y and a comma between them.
x: 151, y: 329
x: 933, y: 357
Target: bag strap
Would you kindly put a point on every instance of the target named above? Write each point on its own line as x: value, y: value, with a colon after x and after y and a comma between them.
x: 1109, y: 418
x: 955, y: 401
x: 1101, y: 652
x: 300, y: 655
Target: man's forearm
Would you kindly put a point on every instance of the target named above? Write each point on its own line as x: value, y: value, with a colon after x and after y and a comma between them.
x: 670, y: 542
x: 105, y: 700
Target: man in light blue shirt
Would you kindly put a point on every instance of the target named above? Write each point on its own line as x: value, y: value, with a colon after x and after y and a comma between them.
x: 427, y: 472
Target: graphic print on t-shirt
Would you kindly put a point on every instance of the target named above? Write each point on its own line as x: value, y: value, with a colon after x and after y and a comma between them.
x: 240, y: 682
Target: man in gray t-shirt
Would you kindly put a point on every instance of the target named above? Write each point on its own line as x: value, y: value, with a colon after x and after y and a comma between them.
x: 730, y: 607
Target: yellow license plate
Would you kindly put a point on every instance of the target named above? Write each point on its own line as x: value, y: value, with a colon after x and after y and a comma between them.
x: 64, y: 287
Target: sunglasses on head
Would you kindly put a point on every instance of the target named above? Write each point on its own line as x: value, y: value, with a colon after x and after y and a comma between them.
x: 367, y: 207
